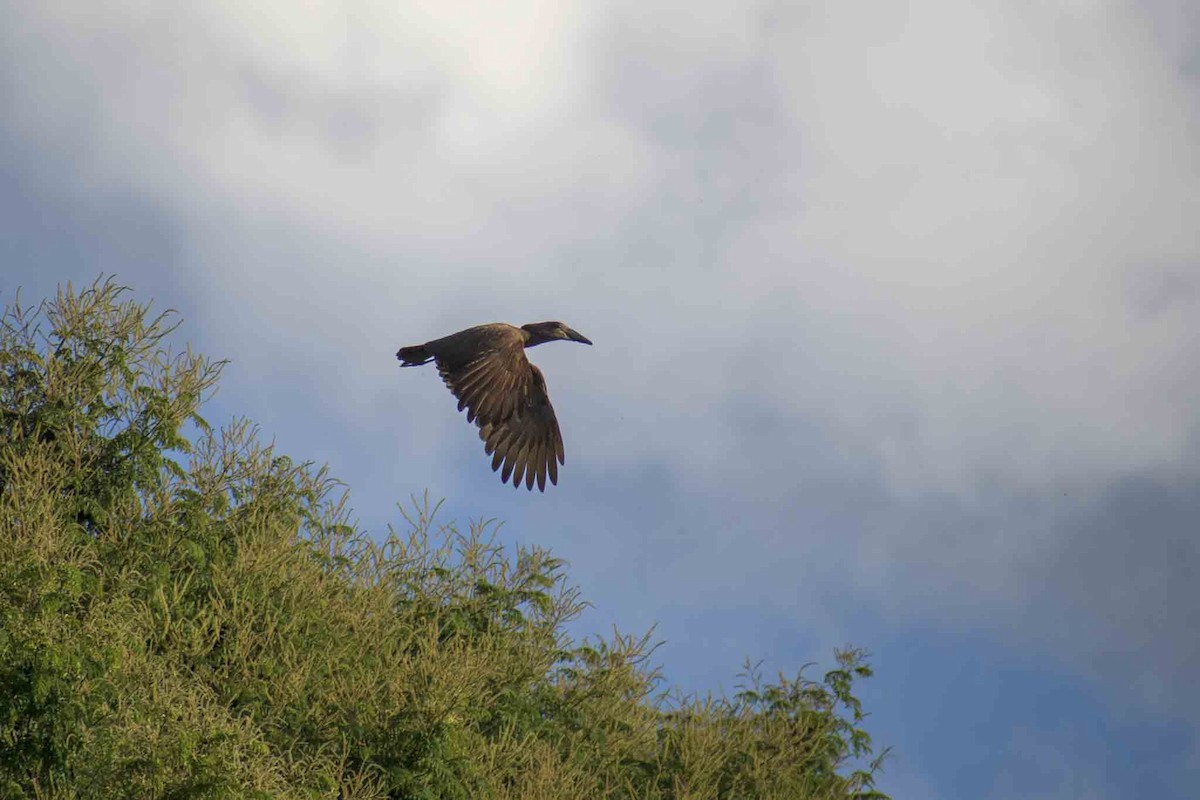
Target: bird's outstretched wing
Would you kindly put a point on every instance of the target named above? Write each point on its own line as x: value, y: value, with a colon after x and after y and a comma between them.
x: 506, y: 397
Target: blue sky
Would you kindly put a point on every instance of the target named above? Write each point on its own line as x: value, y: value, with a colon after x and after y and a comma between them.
x: 896, y: 310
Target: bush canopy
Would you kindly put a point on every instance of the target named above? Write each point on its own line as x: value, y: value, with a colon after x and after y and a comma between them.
x: 185, y: 613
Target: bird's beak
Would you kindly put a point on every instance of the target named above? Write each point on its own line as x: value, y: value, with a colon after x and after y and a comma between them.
x: 576, y: 336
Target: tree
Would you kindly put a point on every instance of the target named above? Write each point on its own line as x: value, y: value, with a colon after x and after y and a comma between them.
x: 186, y: 613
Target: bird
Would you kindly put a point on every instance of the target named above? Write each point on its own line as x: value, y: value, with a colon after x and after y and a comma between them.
x: 504, y: 395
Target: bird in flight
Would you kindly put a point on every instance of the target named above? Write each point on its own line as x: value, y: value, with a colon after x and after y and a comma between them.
x: 505, y: 396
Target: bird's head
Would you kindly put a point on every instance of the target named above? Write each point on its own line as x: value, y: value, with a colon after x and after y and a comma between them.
x: 540, y: 332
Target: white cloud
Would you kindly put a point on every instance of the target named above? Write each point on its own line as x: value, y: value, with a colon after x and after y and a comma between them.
x: 984, y: 183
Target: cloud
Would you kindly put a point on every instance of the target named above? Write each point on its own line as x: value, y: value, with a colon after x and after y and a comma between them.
x: 950, y: 217
x: 984, y: 187
x: 1047, y: 769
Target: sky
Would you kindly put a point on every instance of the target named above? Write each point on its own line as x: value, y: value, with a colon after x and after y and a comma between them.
x: 896, y: 311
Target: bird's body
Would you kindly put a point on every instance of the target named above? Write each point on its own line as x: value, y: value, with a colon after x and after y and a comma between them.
x: 504, y: 395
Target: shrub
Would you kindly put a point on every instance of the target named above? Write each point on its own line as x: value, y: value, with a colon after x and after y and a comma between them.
x: 194, y: 616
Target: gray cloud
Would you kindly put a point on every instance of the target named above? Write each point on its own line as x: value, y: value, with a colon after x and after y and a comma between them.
x: 1126, y: 572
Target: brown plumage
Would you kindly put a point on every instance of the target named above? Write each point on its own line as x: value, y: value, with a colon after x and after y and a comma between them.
x: 504, y: 395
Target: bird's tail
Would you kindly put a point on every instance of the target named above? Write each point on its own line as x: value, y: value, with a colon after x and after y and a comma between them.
x: 414, y: 356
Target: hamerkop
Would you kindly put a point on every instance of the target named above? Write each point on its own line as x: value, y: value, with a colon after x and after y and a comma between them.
x: 486, y: 369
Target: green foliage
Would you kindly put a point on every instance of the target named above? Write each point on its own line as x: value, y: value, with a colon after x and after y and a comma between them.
x: 195, y: 617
